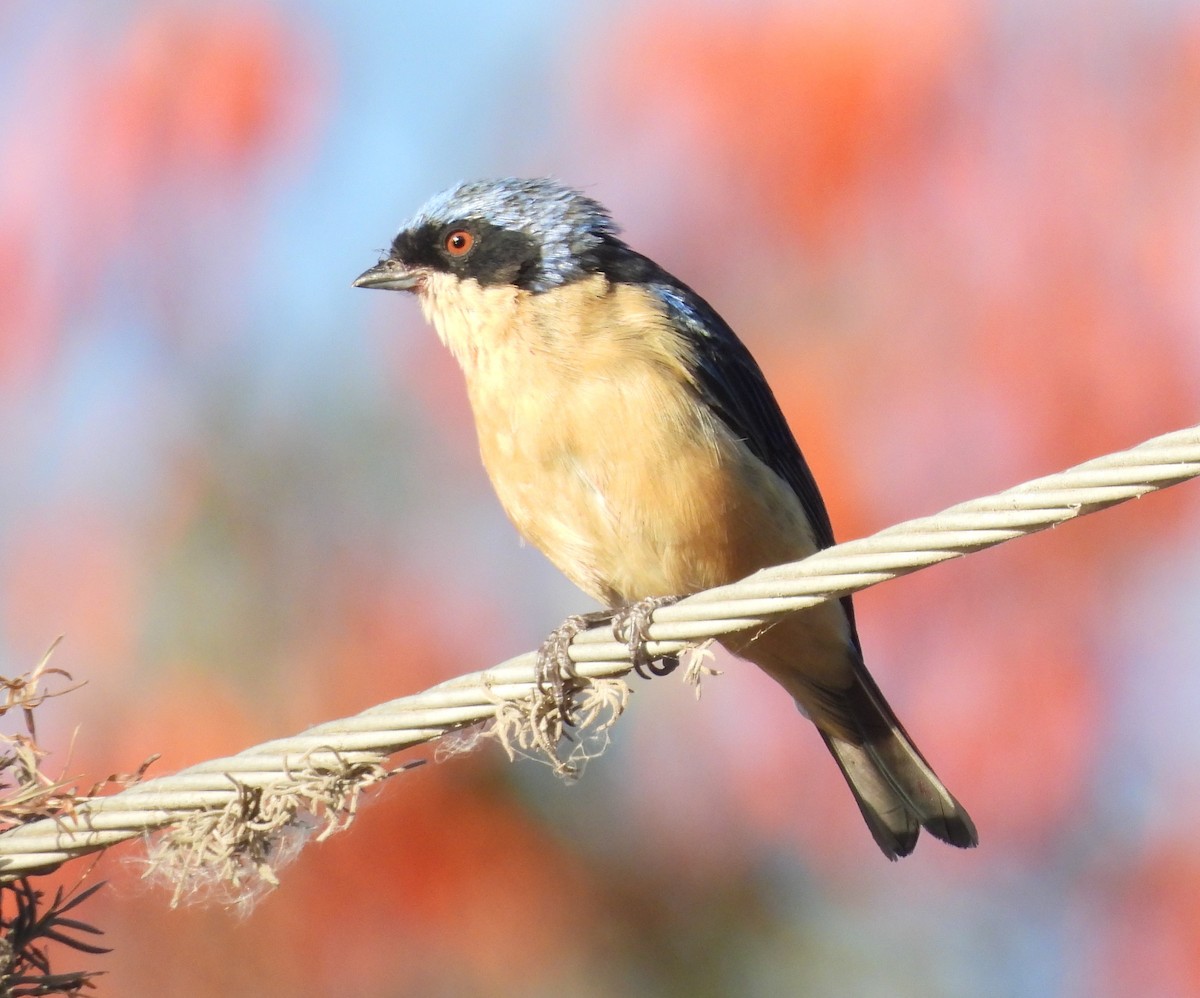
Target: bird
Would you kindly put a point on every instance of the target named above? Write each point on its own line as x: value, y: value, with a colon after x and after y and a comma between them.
x: 631, y: 436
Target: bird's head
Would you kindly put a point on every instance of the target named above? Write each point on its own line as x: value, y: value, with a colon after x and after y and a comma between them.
x: 533, y: 235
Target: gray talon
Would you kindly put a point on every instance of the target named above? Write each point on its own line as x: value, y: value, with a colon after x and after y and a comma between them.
x: 631, y: 625
x: 554, y: 672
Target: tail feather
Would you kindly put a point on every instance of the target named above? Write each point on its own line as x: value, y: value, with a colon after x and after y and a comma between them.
x: 896, y: 789
x: 816, y: 657
x: 892, y: 823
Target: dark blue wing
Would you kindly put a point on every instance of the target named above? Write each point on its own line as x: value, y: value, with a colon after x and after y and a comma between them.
x: 732, y: 384
x: 727, y: 376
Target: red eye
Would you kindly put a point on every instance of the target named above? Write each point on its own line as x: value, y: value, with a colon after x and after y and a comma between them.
x: 459, y: 242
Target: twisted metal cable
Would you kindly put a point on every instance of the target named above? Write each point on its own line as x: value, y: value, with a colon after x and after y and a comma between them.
x: 338, y: 749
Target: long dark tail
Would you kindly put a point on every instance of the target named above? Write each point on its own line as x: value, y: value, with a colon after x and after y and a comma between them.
x: 896, y: 789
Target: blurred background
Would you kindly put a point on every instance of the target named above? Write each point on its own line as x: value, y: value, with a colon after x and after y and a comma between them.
x: 963, y: 240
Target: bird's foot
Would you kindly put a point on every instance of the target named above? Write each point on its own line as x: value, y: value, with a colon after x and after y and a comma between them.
x: 631, y: 625
x: 554, y: 671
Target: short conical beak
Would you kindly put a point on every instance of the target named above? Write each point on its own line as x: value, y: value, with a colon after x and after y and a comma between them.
x: 390, y: 275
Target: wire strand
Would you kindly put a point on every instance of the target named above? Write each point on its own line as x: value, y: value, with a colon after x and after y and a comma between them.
x: 343, y: 749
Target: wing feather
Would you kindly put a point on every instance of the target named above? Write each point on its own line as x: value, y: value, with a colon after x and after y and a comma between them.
x: 732, y: 385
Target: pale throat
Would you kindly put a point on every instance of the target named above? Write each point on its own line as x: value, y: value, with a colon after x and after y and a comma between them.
x: 470, y: 319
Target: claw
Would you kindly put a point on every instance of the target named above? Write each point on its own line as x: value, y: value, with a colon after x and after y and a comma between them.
x: 631, y: 625
x: 554, y: 671
x: 662, y: 667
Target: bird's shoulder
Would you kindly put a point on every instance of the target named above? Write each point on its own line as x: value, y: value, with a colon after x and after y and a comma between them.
x: 727, y: 378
